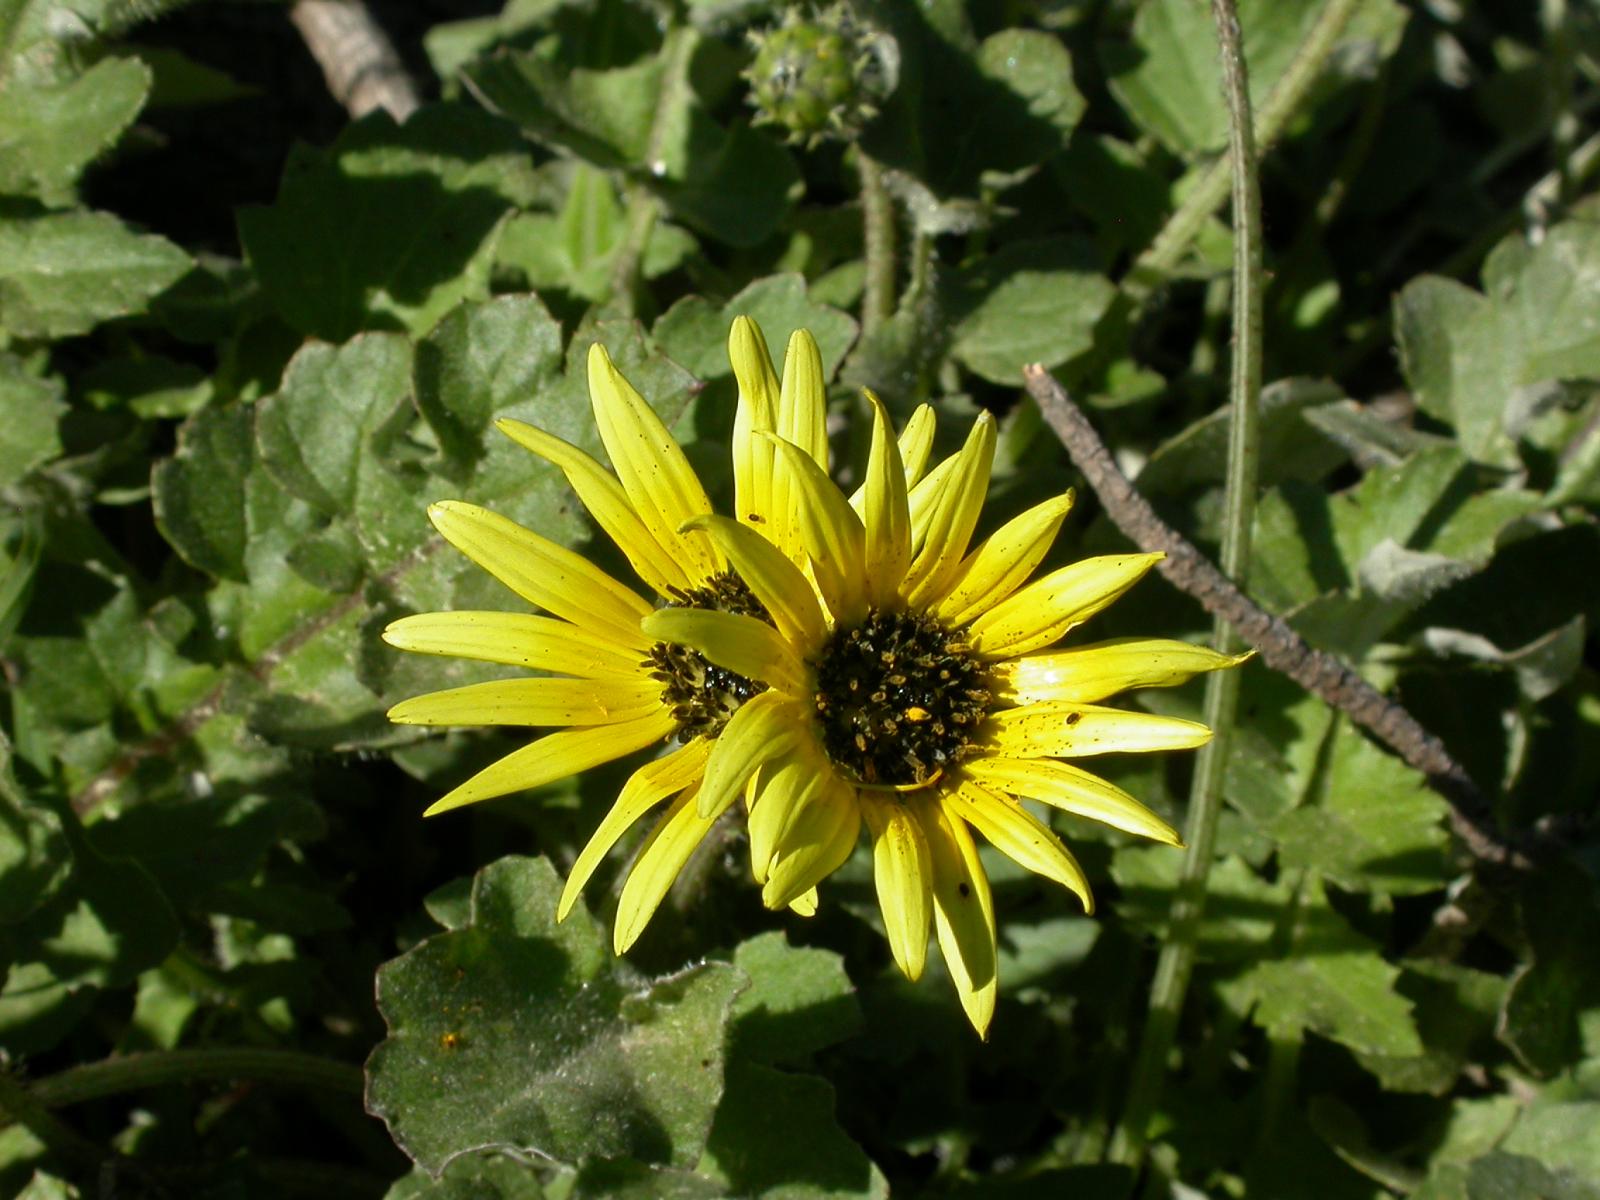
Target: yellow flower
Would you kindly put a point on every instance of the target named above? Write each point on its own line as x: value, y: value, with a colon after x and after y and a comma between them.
x: 611, y: 688
x: 910, y: 687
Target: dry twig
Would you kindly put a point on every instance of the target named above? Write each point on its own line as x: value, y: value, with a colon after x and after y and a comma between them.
x: 357, y: 59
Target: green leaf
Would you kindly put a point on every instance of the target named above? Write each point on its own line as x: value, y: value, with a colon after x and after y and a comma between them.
x: 735, y: 185
x: 54, y: 130
x: 776, y: 1135
x: 316, y: 429
x: 1560, y: 1135
x: 602, y: 116
x: 1035, y: 66
x: 472, y: 1177
x: 33, y: 409
x: 521, y: 1033
x: 694, y: 331
x: 1561, y: 980
x: 104, y: 926
x: 391, y: 226
x: 1031, y: 302
x: 199, y: 493
x: 1330, y: 981
x: 1502, y: 1176
x: 799, y: 1001
x: 480, y: 360
x: 1377, y: 826
x: 1473, y: 358
x: 64, y: 273
x: 1456, y: 1011
x: 1291, y: 447
x: 33, y: 847
x: 1167, y: 77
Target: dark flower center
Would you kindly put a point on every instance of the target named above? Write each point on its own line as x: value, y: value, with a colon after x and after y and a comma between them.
x: 898, y: 698
x: 702, y: 695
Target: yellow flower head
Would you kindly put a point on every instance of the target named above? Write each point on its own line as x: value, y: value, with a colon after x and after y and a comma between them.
x: 830, y: 660
x: 905, y: 688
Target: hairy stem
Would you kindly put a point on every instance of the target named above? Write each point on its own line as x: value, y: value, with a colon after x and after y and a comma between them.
x: 134, y: 1072
x: 877, y: 218
x: 1176, y: 963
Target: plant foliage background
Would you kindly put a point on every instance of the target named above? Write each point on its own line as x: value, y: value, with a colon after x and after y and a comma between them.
x: 246, y: 340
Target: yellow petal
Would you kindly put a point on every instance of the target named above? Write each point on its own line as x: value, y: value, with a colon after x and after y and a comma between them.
x: 1004, y: 561
x: 515, y: 639
x: 669, y: 846
x: 1072, y: 790
x: 886, y: 513
x: 783, y: 591
x: 766, y: 727
x: 786, y: 785
x: 916, y: 441
x: 757, y: 413
x: 542, y: 701
x: 814, y: 845
x: 608, y: 504
x: 556, y: 756
x: 1093, y: 672
x: 737, y: 643
x: 658, y: 479
x: 1057, y: 730
x: 803, y: 408
x: 646, y: 788
x: 805, y: 905
x: 543, y: 573
x: 923, y: 499
x: 963, y: 913
x: 902, y: 871
x: 1020, y: 836
x: 830, y: 533
x: 953, y: 518
x: 1047, y: 608
x: 802, y: 417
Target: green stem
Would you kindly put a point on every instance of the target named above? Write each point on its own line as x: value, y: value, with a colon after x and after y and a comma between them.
x: 1176, y: 963
x: 877, y: 232
x: 1204, y: 198
x: 21, y: 1105
x: 643, y: 207
x: 135, y: 1072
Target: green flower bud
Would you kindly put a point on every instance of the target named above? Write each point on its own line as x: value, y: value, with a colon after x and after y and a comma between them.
x: 818, y: 77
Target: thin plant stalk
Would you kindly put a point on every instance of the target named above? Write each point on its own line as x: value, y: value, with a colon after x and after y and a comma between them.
x: 877, y: 233
x: 1176, y: 962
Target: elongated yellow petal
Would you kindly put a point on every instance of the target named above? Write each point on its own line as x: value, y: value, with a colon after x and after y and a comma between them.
x: 802, y: 417
x: 543, y: 573
x: 963, y: 913
x: 757, y: 413
x: 783, y: 591
x: 814, y: 845
x: 902, y: 870
x: 922, y: 501
x: 803, y: 408
x: 517, y: 640
x: 1093, y: 672
x: 738, y: 643
x: 1020, y: 836
x: 1072, y: 790
x: 646, y: 788
x: 651, y: 466
x: 1004, y: 561
x: 916, y: 442
x: 804, y: 905
x: 954, y: 517
x: 1058, y: 730
x: 830, y: 533
x: 1046, y: 609
x: 886, y: 512
x: 540, y: 701
x: 669, y: 846
x: 766, y: 727
x: 787, y: 784
x: 554, y: 757
x: 608, y: 504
